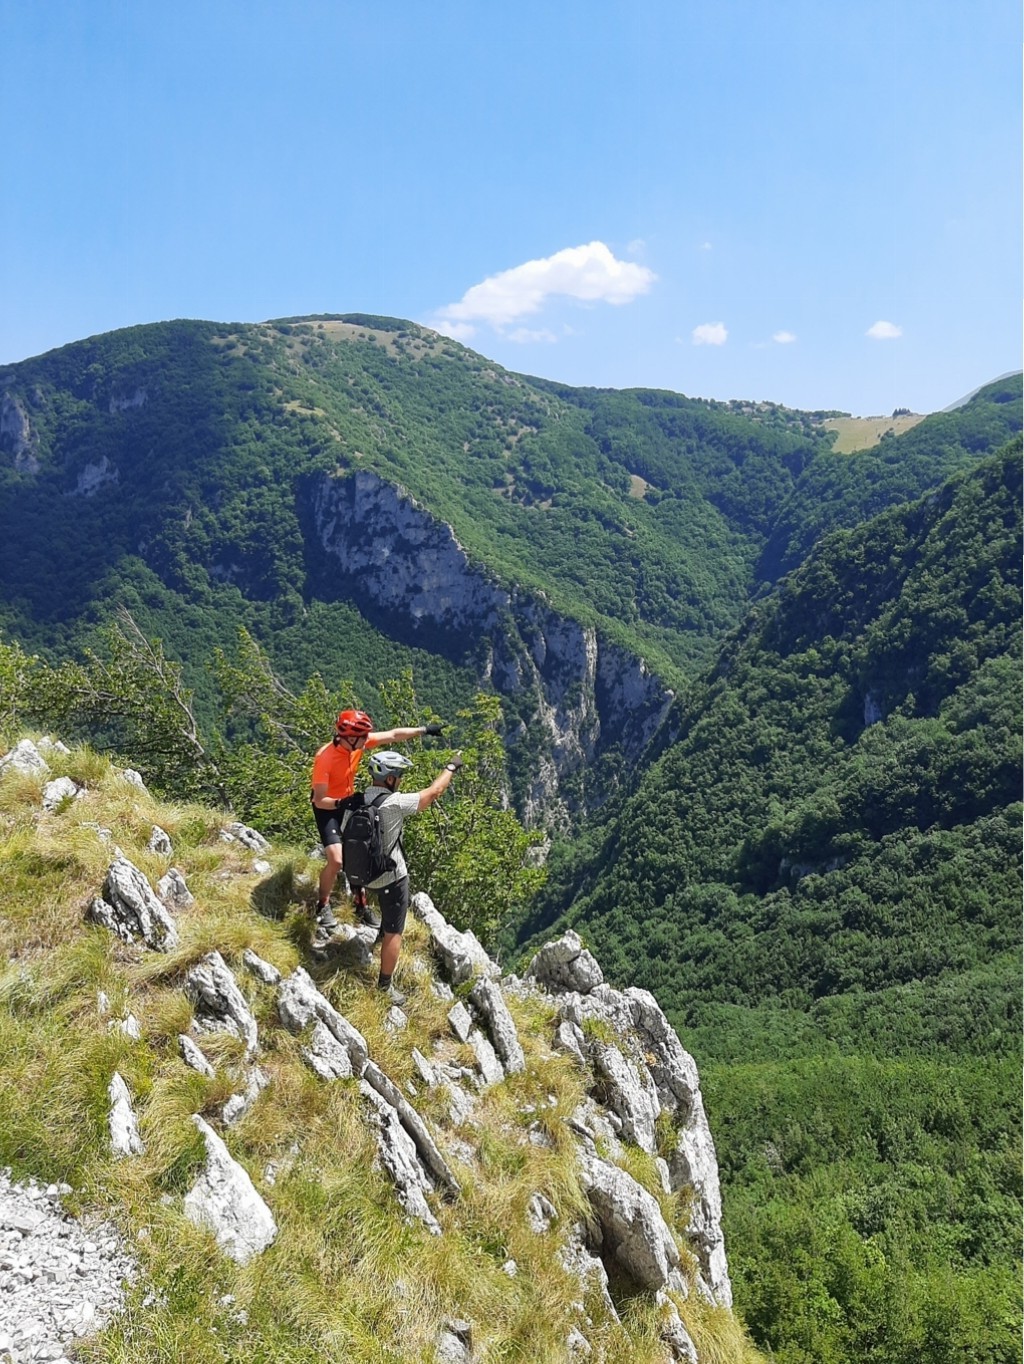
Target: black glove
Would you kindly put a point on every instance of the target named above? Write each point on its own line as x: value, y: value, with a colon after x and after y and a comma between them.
x: 455, y: 764
x: 433, y: 729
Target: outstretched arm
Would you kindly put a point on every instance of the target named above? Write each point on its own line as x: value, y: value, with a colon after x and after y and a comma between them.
x: 391, y: 736
x: 440, y: 783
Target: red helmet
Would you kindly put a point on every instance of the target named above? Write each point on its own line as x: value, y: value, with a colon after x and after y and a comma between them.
x: 350, y: 724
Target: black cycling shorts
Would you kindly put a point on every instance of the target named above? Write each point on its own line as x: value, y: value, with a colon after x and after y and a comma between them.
x: 394, y: 905
x: 328, y: 823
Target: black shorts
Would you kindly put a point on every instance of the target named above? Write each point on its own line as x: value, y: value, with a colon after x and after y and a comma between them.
x: 328, y: 823
x: 394, y: 905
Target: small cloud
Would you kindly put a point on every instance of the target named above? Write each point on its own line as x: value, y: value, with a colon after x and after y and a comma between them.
x: 783, y: 338
x: 884, y: 331
x: 704, y: 246
x: 458, y: 331
x: 525, y: 335
x: 636, y: 247
x: 710, y: 334
x: 590, y: 273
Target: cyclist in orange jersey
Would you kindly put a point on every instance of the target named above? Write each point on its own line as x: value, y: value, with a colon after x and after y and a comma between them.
x: 333, y: 779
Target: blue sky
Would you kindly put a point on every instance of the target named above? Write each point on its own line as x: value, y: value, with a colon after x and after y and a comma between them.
x: 813, y: 203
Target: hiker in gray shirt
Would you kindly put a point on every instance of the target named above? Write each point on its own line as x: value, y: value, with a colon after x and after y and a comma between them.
x: 392, y: 886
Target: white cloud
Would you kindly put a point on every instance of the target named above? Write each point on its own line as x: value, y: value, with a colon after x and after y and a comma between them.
x: 526, y: 335
x: 784, y: 338
x: 458, y: 331
x: 710, y: 334
x: 589, y: 273
x: 884, y: 331
x: 705, y: 246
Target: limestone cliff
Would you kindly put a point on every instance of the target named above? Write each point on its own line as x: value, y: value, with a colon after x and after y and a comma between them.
x: 408, y: 573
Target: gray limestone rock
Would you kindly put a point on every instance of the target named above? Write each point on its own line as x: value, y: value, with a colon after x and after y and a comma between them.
x: 540, y: 1213
x: 60, y: 1279
x: 130, y: 909
x: 399, y: 1157
x: 25, y: 758
x: 133, y: 778
x: 261, y: 969
x: 219, y: 1004
x: 326, y: 1055
x: 124, y: 1125
x: 300, y: 1003
x: 633, y: 1230
x: 225, y: 1200
x: 491, y: 1070
x: 173, y: 890
x: 160, y: 842
x: 249, y: 838
x: 433, y: 1161
x: 460, y: 1020
x: 239, y: 1104
x: 575, y: 1256
x: 490, y: 1004
x: 460, y: 954
x: 674, y: 1333
x: 58, y: 790
x: 565, y: 964
x: 193, y: 1056
x: 629, y: 1092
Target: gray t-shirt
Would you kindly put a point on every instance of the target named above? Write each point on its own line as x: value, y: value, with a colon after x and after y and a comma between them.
x: 394, y: 808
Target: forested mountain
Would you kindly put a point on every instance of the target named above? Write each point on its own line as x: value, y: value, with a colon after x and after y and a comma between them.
x: 820, y: 876
x: 578, y: 550
x: 769, y: 692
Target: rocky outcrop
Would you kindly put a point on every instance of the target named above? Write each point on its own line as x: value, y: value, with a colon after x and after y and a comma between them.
x: 633, y: 1230
x: 459, y: 954
x: 25, y: 758
x: 124, y: 1125
x: 130, y: 908
x: 219, y: 1004
x: 647, y: 1073
x: 225, y: 1200
x: 17, y: 438
x: 300, y: 1003
x: 412, y: 576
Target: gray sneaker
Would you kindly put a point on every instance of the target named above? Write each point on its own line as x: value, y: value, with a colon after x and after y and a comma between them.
x: 395, y: 995
x: 325, y: 920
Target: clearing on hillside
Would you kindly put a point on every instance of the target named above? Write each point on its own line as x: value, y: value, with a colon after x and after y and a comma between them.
x: 861, y: 433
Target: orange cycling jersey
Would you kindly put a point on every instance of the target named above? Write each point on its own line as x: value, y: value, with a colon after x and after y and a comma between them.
x: 337, y: 766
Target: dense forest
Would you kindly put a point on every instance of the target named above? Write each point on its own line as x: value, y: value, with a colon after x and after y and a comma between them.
x: 820, y: 875
x: 814, y: 865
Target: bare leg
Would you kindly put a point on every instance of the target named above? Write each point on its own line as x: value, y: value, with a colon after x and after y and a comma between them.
x: 329, y: 871
x: 390, y: 947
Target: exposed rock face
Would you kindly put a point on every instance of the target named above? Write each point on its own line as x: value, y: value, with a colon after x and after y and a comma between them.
x: 95, y: 475
x: 249, y: 838
x: 300, y: 1003
x: 124, y: 1126
x: 220, y: 1004
x: 651, y: 1072
x: 24, y: 757
x: 173, y: 890
x: 632, y: 1226
x: 225, y: 1200
x: 488, y: 1001
x: 17, y: 438
x: 460, y: 954
x: 130, y: 909
x: 409, y: 570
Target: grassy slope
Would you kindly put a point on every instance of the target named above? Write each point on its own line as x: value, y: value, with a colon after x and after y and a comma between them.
x: 328, y: 1286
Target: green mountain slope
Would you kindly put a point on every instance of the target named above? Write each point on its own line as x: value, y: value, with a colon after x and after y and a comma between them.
x: 858, y: 733
x: 820, y: 879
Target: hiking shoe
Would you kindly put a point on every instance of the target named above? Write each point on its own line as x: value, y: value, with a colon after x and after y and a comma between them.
x: 366, y: 914
x: 394, y: 995
x: 325, y: 920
